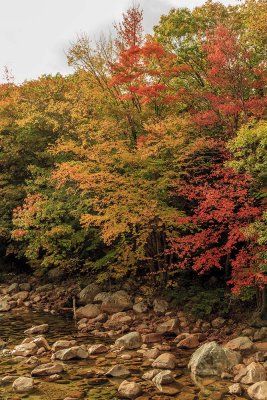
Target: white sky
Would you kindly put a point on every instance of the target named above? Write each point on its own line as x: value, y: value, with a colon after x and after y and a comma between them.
x: 35, y: 34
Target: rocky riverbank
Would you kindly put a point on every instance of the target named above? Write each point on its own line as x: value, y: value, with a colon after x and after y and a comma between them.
x: 130, y: 347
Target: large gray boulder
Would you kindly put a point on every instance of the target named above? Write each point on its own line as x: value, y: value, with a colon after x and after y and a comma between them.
x: 129, y: 341
x: 88, y: 294
x: 258, y: 391
x: 116, y: 302
x: 212, y: 360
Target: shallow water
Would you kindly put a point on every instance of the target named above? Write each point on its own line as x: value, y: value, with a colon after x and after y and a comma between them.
x: 12, y: 326
x: 84, y: 377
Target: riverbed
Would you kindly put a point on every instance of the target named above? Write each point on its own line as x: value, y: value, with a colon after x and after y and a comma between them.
x: 85, y: 379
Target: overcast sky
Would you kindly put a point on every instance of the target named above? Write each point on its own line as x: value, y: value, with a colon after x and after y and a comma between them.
x: 35, y: 34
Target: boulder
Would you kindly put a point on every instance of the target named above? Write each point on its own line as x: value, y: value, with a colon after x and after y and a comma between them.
x: 165, y: 361
x: 7, y: 379
x: 89, y: 311
x: 191, y: 341
x: 129, y: 390
x: 236, y: 388
x: 23, y: 384
x: 22, y: 296
x: 163, y: 378
x: 160, y: 306
x: 75, y: 352
x: 129, y: 341
x: 63, y: 344
x: 14, y: 287
x: 116, y: 302
x: 88, y: 294
x: 152, y: 338
x: 151, y: 354
x: 140, y: 307
x: 37, y: 329
x: 116, y: 321
x: 241, y: 343
x: 102, y: 297
x: 171, y: 326
x: 218, y: 323
x: 4, y: 304
x: 118, y: 371
x: 41, y: 342
x: 97, y: 349
x: 254, y: 372
x: 212, y: 360
x: 25, y: 349
x: 260, y: 334
x: 48, y: 369
x: 25, y: 287
x: 149, y: 375
x: 258, y: 391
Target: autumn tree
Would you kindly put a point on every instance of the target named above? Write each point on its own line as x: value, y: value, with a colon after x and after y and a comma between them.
x: 130, y: 31
x: 219, y: 209
x: 250, y: 156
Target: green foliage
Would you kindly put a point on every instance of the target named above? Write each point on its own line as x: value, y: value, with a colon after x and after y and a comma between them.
x: 249, y: 148
x: 198, y: 300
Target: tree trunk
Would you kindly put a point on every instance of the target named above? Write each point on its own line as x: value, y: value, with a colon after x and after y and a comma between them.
x: 262, y: 302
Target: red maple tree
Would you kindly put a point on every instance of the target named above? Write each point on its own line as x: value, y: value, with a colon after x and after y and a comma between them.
x: 220, y: 207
